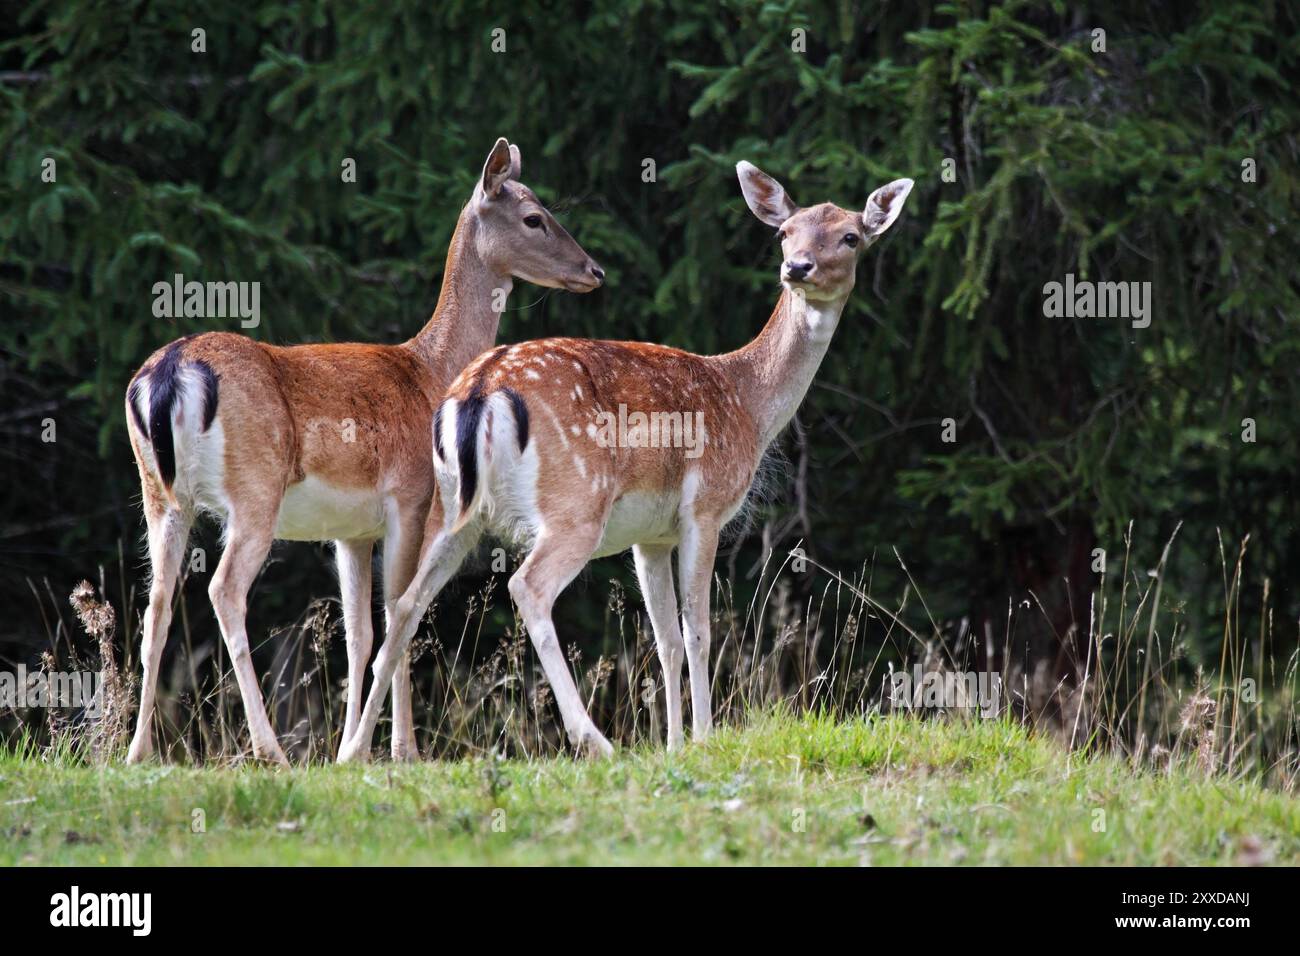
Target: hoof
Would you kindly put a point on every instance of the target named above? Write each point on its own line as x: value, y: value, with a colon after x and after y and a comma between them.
x: 593, y: 745
x: 407, y: 753
x: 138, y: 753
x: 274, y: 757
x: 353, y: 752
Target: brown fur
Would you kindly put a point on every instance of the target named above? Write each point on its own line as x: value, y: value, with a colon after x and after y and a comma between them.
x: 643, y: 377
x: 289, y: 403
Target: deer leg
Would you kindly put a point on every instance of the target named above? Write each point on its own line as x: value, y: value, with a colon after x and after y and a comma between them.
x: 248, y: 541
x: 353, y: 559
x: 169, y: 530
x: 557, y: 557
x: 654, y: 571
x: 699, y: 546
x: 401, y: 557
x: 441, y: 554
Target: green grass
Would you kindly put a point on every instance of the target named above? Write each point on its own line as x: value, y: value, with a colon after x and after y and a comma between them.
x: 889, y: 790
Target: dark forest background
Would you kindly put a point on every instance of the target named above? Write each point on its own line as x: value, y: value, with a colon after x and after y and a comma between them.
x: 1173, y: 157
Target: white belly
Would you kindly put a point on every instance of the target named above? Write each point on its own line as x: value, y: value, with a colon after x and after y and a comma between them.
x: 640, y: 518
x: 315, y: 511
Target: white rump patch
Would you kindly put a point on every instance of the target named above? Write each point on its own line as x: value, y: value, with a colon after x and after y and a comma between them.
x: 200, y: 455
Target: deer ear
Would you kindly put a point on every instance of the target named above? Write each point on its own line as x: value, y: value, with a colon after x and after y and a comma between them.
x: 884, y: 205
x: 766, y: 198
x: 497, y: 168
x: 516, y: 165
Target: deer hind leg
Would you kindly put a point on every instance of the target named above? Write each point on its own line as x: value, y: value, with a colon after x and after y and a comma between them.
x: 169, y: 530
x: 557, y: 557
x: 401, y: 558
x: 248, y: 541
x: 441, y: 554
x: 353, y: 559
x: 654, y: 571
x: 699, y: 546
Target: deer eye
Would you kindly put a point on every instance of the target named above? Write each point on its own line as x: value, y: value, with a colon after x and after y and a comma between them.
x: 851, y: 239
x: 533, y: 222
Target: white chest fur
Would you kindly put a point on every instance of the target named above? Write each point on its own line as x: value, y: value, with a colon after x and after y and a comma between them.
x: 820, y: 320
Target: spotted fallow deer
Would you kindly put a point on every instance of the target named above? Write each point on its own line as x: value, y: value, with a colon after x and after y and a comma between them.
x: 325, y: 442
x: 527, y: 447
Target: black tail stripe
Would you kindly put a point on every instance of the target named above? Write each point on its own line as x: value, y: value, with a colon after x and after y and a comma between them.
x: 163, y: 388
x: 520, y: 411
x: 209, y: 393
x: 467, y: 421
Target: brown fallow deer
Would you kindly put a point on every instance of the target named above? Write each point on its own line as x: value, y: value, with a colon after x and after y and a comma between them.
x: 525, y: 449
x: 325, y: 442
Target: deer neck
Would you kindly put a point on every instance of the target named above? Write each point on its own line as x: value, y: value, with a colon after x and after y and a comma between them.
x: 776, y: 369
x: 465, y: 320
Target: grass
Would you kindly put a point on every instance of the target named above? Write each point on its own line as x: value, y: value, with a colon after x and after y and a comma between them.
x: 783, y: 789
x: 1166, y: 750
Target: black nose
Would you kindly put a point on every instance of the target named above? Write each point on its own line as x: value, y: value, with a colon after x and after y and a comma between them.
x: 599, y: 273
x: 797, y: 270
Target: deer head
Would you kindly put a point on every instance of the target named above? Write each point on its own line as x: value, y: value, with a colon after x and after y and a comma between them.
x: 821, y: 244
x: 518, y: 236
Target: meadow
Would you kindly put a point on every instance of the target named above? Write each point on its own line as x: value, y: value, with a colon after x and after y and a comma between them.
x: 819, y: 758
x: 784, y: 789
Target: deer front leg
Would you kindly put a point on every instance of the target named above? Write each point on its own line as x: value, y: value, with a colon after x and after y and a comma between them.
x: 441, y: 555
x: 353, y: 559
x: 654, y: 572
x: 698, y: 547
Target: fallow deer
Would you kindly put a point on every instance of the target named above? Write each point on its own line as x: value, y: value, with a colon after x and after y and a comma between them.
x: 524, y: 450
x: 325, y: 442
